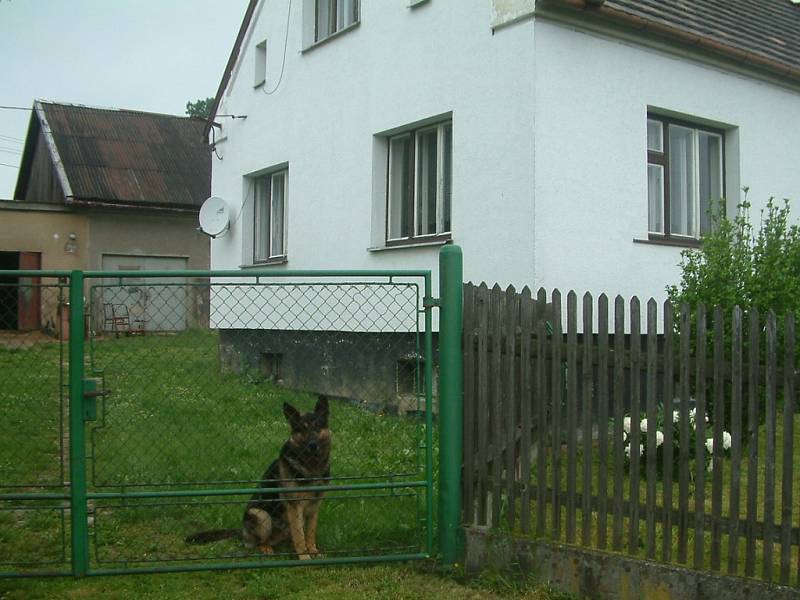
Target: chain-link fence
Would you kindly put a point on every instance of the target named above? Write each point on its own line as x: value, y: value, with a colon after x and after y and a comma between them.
x: 227, y: 421
x: 34, y: 329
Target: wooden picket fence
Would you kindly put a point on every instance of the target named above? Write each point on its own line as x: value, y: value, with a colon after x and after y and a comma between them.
x: 546, y: 442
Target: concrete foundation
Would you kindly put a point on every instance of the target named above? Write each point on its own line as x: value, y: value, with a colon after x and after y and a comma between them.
x: 380, y: 371
x: 602, y: 575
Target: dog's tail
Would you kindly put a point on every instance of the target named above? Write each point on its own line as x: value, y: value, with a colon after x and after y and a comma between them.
x: 214, y: 535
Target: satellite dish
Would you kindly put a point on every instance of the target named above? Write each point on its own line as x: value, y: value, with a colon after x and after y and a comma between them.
x: 214, y: 216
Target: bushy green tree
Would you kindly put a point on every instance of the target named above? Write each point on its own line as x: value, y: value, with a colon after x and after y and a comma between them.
x: 737, y: 265
x: 201, y: 108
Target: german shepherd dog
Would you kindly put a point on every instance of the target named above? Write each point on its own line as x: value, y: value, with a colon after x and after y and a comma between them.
x: 271, y: 517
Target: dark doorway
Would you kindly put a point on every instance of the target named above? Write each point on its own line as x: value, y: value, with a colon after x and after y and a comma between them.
x: 9, y: 292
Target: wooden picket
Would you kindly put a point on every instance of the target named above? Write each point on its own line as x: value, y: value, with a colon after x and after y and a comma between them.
x: 554, y: 405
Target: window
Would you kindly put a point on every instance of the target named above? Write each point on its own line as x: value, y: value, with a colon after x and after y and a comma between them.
x: 419, y: 184
x: 269, y: 233
x: 332, y: 16
x: 260, y: 64
x: 684, y: 177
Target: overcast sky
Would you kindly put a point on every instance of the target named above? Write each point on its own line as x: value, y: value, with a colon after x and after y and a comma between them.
x: 151, y: 55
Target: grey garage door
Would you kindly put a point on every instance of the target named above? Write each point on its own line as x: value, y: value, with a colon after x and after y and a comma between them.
x: 153, y: 304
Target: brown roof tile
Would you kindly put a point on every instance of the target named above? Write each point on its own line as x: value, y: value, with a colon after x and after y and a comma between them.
x: 131, y: 158
x: 765, y: 34
x: 766, y: 28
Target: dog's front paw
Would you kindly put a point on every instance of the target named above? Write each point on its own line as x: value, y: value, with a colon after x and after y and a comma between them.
x: 312, y: 550
x: 304, y: 557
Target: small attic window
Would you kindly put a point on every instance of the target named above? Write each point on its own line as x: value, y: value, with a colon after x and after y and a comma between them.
x: 260, y: 64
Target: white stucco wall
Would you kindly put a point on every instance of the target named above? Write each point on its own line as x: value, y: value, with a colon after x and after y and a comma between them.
x: 549, y: 153
x: 399, y: 66
x: 592, y: 97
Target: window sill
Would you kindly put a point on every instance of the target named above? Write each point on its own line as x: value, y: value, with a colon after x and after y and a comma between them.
x: 675, y: 242
x: 277, y: 260
x: 332, y: 36
x: 414, y: 243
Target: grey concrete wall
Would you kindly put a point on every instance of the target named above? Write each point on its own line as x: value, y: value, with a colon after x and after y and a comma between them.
x: 362, y: 367
x: 602, y: 575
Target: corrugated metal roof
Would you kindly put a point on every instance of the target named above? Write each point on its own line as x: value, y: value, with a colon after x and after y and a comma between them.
x: 131, y: 158
x: 766, y: 28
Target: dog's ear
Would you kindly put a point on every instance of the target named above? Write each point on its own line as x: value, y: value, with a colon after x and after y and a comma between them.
x: 321, y: 409
x: 292, y: 415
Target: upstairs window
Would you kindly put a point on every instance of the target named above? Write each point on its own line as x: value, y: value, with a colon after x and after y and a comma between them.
x: 684, y: 177
x: 419, y: 184
x: 332, y: 16
x: 269, y: 233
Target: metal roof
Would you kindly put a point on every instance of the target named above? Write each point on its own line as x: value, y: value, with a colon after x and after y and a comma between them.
x: 125, y: 157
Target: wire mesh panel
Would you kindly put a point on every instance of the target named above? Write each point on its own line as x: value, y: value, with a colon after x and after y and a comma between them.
x: 245, y: 420
x: 34, y: 328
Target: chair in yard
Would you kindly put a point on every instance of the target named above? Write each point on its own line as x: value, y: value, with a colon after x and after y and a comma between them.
x: 116, y: 315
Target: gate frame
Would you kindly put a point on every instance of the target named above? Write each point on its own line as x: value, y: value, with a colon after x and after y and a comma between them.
x: 450, y: 305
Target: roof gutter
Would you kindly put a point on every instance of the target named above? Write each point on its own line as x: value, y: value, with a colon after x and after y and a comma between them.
x: 599, y: 7
x: 100, y: 203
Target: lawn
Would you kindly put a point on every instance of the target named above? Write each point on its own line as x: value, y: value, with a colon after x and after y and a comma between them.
x: 391, y: 581
x: 177, y: 420
x: 641, y: 548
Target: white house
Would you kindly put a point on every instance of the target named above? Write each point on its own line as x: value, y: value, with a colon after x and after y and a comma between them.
x: 562, y: 143
x: 572, y: 144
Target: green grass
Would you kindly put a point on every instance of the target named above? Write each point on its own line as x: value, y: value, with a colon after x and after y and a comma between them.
x: 396, y: 581
x: 641, y: 547
x: 177, y: 420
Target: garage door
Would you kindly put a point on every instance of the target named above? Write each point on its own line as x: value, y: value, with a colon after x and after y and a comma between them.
x: 153, y: 304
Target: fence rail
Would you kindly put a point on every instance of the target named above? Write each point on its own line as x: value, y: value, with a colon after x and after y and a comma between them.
x: 663, y: 433
x: 142, y: 411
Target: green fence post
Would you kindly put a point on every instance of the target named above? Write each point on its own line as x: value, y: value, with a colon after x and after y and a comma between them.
x: 450, y: 400
x: 77, y: 444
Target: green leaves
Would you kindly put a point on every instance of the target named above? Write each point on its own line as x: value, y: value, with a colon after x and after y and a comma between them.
x: 738, y: 265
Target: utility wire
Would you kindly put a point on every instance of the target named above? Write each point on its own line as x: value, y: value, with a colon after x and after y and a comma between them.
x: 2, y: 164
x: 283, y: 60
x: 15, y: 108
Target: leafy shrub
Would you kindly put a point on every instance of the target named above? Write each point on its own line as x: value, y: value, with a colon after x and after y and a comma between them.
x: 738, y: 265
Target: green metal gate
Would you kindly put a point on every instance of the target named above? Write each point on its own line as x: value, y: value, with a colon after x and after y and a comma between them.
x: 146, y: 434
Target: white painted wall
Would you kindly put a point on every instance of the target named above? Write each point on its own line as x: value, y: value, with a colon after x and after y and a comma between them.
x: 399, y: 66
x: 592, y: 97
x: 566, y: 219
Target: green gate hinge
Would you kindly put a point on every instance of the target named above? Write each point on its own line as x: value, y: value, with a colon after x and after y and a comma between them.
x: 90, y: 395
x: 429, y: 302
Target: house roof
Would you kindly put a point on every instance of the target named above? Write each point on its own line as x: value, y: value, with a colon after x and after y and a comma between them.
x: 234, y: 56
x: 121, y: 157
x: 764, y: 33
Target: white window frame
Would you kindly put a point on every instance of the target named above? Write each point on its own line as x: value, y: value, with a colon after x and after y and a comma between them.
x: 269, y: 209
x: 338, y: 19
x: 260, y: 74
x: 416, y: 139
x: 660, y: 158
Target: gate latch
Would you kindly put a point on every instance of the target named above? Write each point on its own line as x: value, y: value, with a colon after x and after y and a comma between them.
x: 90, y: 396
